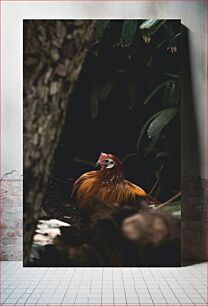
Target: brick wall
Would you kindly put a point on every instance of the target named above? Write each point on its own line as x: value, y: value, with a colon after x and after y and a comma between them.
x: 11, y: 219
x: 194, y: 219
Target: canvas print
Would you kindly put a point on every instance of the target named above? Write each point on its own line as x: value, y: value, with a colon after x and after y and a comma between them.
x: 102, y: 143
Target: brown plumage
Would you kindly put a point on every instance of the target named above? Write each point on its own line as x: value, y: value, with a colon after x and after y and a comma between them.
x: 109, y: 186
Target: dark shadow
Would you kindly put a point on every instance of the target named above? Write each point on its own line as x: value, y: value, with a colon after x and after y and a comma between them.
x: 115, y: 130
x: 193, y: 232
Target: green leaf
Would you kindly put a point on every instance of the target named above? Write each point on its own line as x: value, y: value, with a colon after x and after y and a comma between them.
x: 157, y: 26
x: 154, y: 91
x: 100, y: 29
x: 143, y: 130
x: 172, y: 90
x: 146, y: 35
x: 128, y: 31
x: 163, y: 154
x: 171, y: 75
x: 171, y: 94
x: 166, y: 40
x: 147, y: 24
x: 170, y: 37
x: 150, y: 27
x: 156, y: 126
x: 115, y: 35
x: 170, y: 33
x: 108, y: 86
x: 172, y: 206
x: 94, y: 98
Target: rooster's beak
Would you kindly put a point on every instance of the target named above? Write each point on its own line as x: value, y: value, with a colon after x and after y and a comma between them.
x: 100, y: 160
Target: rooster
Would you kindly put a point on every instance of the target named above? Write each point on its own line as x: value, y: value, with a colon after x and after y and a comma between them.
x: 109, y: 186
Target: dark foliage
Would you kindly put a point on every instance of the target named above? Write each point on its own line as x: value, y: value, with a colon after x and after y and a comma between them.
x: 126, y: 102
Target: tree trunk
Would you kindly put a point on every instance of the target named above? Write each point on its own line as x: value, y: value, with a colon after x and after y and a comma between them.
x: 54, y: 53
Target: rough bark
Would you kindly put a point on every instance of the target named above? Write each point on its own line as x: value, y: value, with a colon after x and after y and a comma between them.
x: 54, y: 53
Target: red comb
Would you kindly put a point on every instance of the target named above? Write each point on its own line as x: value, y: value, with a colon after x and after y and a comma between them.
x: 103, y: 156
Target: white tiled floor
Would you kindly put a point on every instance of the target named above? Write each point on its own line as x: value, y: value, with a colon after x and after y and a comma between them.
x: 103, y: 286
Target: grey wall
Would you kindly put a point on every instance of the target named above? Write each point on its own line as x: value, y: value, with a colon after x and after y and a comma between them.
x: 194, y: 111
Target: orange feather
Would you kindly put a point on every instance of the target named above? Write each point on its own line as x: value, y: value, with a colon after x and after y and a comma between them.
x: 109, y: 186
